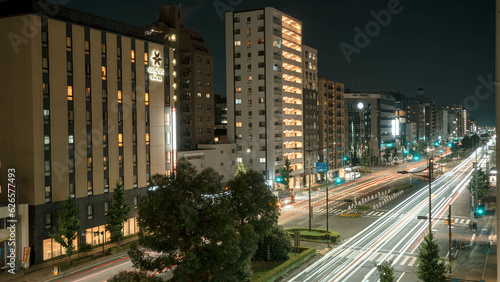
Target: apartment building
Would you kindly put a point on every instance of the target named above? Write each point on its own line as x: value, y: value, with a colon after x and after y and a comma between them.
x: 310, y: 114
x: 86, y: 102
x: 265, y: 87
x: 193, y: 78
x: 331, y: 124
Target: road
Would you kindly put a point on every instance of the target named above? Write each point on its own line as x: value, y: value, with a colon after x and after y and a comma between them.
x: 395, y: 236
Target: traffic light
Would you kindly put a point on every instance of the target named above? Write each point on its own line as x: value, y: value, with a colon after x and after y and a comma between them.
x: 406, y: 151
x: 279, y: 179
x: 480, y: 210
x: 338, y: 180
x: 346, y: 158
x: 436, y: 144
x: 416, y: 158
x: 441, y: 151
x: 449, y: 144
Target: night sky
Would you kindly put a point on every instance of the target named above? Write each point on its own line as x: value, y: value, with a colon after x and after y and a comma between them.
x: 442, y: 46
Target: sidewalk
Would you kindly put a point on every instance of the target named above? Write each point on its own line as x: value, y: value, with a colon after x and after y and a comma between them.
x: 44, y: 271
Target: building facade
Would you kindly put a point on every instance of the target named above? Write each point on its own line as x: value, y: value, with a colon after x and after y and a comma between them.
x: 310, y: 113
x: 193, y: 78
x: 264, y: 76
x: 331, y: 124
x: 87, y: 103
x: 370, y: 124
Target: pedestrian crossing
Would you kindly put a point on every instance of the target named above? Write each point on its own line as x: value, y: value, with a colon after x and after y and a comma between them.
x: 377, y: 257
x: 461, y: 220
x: 375, y: 213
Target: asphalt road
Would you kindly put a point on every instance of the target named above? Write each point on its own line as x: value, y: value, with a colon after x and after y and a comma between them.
x: 394, y: 236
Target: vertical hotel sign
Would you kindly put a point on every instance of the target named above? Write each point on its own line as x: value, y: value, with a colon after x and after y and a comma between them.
x: 156, y: 71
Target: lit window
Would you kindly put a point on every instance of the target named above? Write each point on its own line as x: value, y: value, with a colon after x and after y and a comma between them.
x: 198, y: 94
x: 261, y: 41
x: 145, y: 58
x: 119, y: 96
x: 103, y: 69
x: 68, y: 44
x: 238, y: 124
x: 207, y: 96
x: 132, y: 55
x: 146, y: 98
x: 262, y: 160
x: 147, y: 138
x: 237, y: 90
x: 239, y: 160
x: 70, y: 93
x: 46, y: 140
x: 238, y: 101
x: 237, y: 43
x: 71, y: 139
x: 120, y: 139
x: 249, y: 78
x: 249, y: 31
x: 249, y: 43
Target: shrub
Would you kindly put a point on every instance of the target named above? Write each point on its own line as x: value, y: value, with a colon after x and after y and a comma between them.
x: 85, y: 247
x: 279, y: 243
x: 287, y: 266
x: 133, y: 276
x: 319, y: 236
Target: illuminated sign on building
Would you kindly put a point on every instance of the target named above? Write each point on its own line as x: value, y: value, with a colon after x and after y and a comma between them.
x: 156, y: 72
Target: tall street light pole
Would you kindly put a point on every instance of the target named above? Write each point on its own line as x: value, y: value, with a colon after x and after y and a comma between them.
x: 360, y: 108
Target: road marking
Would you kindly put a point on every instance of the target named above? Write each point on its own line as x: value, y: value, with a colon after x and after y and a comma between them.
x: 412, y: 262
x: 350, y: 254
x: 380, y: 258
x: 404, y: 261
x: 372, y: 257
x: 400, y: 277
x: 472, y: 239
x: 370, y: 213
x: 467, y: 222
x: 390, y: 257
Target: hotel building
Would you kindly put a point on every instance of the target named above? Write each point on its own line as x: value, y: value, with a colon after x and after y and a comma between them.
x: 86, y: 102
x: 264, y: 69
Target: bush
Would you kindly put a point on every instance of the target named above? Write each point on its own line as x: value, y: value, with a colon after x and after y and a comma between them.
x: 319, y: 236
x: 112, y: 250
x: 404, y: 187
x: 76, y: 262
x: 363, y: 207
x: 133, y: 276
x: 84, y: 247
x: 287, y: 266
x: 279, y: 243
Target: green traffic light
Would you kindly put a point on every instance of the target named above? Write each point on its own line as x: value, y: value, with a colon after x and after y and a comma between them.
x: 449, y: 144
x: 345, y: 158
x: 338, y: 180
x: 406, y: 151
x: 279, y: 179
x: 416, y: 158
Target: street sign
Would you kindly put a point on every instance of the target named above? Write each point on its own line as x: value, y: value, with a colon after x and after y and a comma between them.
x: 321, y: 167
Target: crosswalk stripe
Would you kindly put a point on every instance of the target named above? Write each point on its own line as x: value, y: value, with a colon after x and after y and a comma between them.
x: 372, y: 257
x: 380, y: 258
x: 412, y: 262
x: 370, y: 213
x: 390, y: 257
x: 351, y: 254
x: 467, y: 222
x: 403, y: 262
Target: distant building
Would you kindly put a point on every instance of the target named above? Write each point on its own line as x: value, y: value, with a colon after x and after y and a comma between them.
x: 331, y: 124
x: 370, y: 123
x: 192, y: 78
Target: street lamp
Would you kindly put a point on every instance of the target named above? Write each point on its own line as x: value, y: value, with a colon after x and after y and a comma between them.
x: 430, y: 167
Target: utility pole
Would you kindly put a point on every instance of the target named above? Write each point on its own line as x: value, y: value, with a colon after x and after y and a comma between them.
x: 310, y: 207
x: 471, y: 206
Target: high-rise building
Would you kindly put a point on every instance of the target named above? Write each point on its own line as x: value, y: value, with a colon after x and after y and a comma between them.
x: 331, y: 124
x: 265, y: 82
x: 415, y: 112
x: 461, y: 113
x: 192, y: 77
x: 86, y: 103
x: 310, y: 106
x: 370, y: 124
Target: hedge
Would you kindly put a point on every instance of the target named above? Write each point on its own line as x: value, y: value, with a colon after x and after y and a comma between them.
x: 288, y: 265
x: 75, y: 262
x: 404, y: 187
x: 320, y: 237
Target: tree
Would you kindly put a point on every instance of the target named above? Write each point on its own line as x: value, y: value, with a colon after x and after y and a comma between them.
x: 386, y: 271
x: 387, y: 154
x: 252, y: 202
x: 365, y: 160
x: 68, y: 224
x: 117, y: 214
x: 430, y: 267
x: 285, y: 172
x: 133, y: 276
x: 279, y: 243
x: 188, y: 222
x: 240, y: 169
